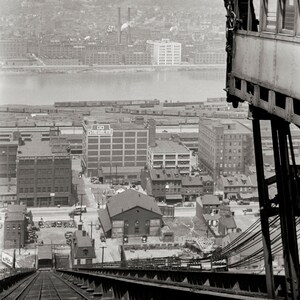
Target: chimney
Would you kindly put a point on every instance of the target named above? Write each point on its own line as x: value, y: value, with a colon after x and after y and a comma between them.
x: 119, y: 25
x: 128, y: 28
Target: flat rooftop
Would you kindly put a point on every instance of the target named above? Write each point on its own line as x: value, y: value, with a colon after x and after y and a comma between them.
x: 89, y: 121
x: 38, y: 147
x: 230, y: 126
x: 164, y: 146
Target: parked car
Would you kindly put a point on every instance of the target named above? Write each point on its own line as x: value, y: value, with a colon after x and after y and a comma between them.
x: 53, y: 224
x: 247, y: 210
x: 58, y: 224
x: 68, y: 234
x: 242, y: 202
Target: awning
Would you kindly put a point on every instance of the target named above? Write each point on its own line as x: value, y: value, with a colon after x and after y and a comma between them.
x: 173, y: 197
x: 246, y: 196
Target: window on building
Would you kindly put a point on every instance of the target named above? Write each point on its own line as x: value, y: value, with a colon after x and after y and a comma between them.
x: 137, y: 227
x: 288, y: 15
x: 271, y: 14
x: 78, y: 261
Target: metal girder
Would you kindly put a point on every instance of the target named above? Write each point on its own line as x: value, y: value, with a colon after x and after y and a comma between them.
x: 286, y: 202
x: 264, y: 207
x: 288, y: 198
x: 137, y: 284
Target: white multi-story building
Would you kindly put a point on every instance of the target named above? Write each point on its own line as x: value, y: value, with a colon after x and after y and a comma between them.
x: 170, y: 155
x: 165, y: 52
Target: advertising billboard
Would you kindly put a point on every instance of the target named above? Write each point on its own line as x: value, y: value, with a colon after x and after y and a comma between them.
x: 7, y: 259
x: 100, y: 130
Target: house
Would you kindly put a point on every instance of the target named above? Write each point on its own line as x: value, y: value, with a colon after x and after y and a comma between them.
x: 227, y: 225
x: 161, y: 182
x: 131, y: 213
x: 207, y: 204
x: 82, y: 248
x: 192, y: 187
x: 234, y: 186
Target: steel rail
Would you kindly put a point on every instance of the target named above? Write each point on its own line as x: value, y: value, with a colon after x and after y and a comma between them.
x: 22, y: 290
x: 69, y: 286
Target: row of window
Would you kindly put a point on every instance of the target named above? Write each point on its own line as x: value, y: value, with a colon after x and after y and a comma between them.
x: 126, y: 152
x: 44, y: 189
x: 92, y: 165
x: 230, y: 165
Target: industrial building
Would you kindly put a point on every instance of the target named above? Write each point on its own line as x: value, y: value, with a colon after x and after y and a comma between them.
x: 8, y: 192
x: 44, y: 173
x: 8, y: 153
x: 165, y: 52
x: 169, y: 155
x: 116, y: 150
x: 225, y: 147
x: 131, y: 214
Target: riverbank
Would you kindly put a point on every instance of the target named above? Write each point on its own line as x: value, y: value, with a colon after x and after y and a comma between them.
x: 103, y: 69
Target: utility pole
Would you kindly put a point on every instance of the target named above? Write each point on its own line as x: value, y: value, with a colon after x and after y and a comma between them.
x: 91, y: 229
x: 19, y: 243
x: 110, y: 175
x: 80, y: 206
x: 102, y: 262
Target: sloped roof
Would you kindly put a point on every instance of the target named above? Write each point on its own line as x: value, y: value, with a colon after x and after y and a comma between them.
x: 236, y: 180
x: 210, y: 200
x: 228, y: 222
x: 191, y: 181
x: 129, y: 199
x: 164, y: 174
x: 104, y: 220
x: 83, y: 243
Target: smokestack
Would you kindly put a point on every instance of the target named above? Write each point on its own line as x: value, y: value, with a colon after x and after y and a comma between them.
x: 128, y: 28
x: 119, y: 25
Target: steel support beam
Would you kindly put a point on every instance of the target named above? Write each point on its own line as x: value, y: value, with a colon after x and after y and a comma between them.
x: 286, y: 180
x: 263, y: 196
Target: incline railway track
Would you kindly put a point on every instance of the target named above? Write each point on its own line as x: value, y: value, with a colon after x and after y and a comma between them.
x: 45, y: 286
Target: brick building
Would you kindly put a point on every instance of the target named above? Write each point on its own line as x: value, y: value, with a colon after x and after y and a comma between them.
x: 236, y: 185
x: 225, y: 147
x: 13, y: 48
x: 15, y: 224
x: 44, y: 172
x: 132, y: 214
x: 116, y: 149
x: 8, y: 192
x: 8, y: 156
x: 161, y: 182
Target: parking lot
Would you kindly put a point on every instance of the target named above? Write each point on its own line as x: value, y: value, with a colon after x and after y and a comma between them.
x: 52, y: 232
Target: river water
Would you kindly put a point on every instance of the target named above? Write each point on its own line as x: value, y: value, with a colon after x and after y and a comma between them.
x: 47, y: 88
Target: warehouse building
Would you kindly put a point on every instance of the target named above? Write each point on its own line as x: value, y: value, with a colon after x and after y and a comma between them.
x: 44, y: 172
x: 131, y: 214
x: 116, y: 151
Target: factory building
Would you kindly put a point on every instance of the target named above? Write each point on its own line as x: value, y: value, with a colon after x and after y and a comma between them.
x: 165, y: 52
x: 116, y: 150
x: 44, y: 172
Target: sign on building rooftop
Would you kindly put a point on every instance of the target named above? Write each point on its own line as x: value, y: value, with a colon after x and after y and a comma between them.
x: 100, y: 130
